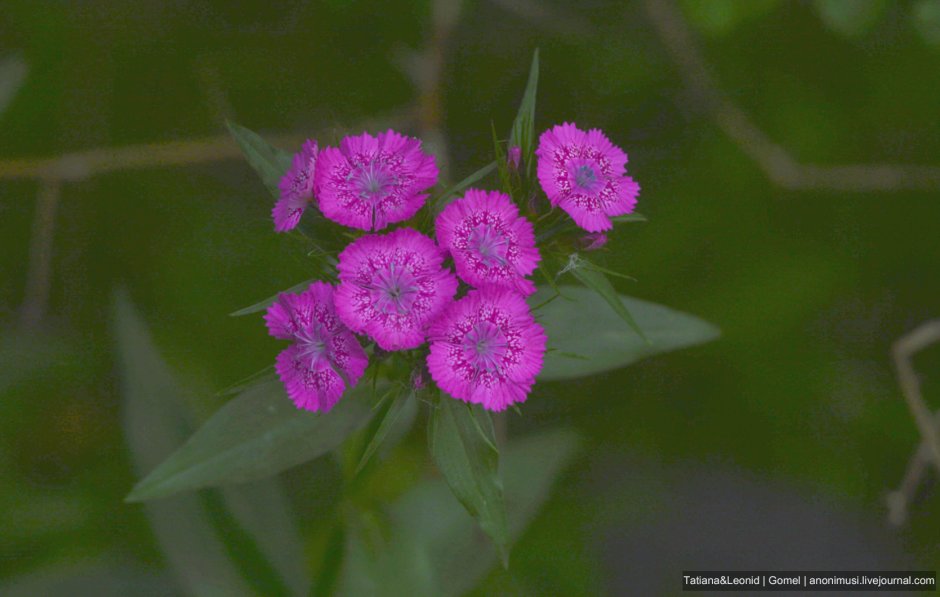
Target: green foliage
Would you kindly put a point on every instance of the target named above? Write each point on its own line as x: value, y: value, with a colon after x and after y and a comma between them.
x: 828, y: 278
x: 231, y: 541
x: 268, y: 161
x: 850, y: 18
x: 257, y: 434
x: 264, y: 304
x: 721, y: 17
x: 463, y: 445
x: 594, y: 278
x: 394, y: 404
x: 927, y: 20
x: 523, y: 127
x: 441, y: 201
x: 433, y: 546
x: 629, y: 218
x: 332, y: 565
x: 586, y: 337
x: 91, y: 577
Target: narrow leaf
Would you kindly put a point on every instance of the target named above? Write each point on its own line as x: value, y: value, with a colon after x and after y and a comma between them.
x: 598, y: 282
x: 435, y: 548
x: 609, y: 272
x: 155, y: 422
x: 634, y: 217
x: 271, y: 547
x: 523, y: 127
x: 234, y: 513
x: 444, y: 198
x: 502, y: 165
x: 464, y: 451
x: 268, y: 161
x: 264, y: 304
x: 255, y: 435
x: 398, y: 402
x: 582, y: 323
x: 332, y: 564
x: 266, y: 374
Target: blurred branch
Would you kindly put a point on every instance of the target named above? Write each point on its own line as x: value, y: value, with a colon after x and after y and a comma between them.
x: 85, y: 164
x: 70, y: 167
x: 39, y: 275
x: 899, y: 500
x: 214, y: 90
x: 773, y: 159
x: 547, y: 17
x: 425, y: 69
x: 928, y: 452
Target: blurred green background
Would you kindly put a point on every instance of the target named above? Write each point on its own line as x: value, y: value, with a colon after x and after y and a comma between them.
x: 771, y: 448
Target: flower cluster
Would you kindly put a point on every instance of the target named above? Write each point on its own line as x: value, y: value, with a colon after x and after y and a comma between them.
x: 460, y: 289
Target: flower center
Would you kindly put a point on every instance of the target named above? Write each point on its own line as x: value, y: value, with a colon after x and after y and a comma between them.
x: 490, y: 245
x: 584, y: 177
x: 373, y: 180
x: 484, y: 346
x: 312, y: 343
x: 394, y: 290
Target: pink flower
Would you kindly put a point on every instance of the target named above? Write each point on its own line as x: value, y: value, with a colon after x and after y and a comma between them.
x: 593, y: 241
x: 514, y: 157
x: 392, y: 286
x: 296, y: 188
x: 489, y: 241
x: 487, y: 348
x: 371, y: 182
x: 584, y: 174
x: 325, y: 358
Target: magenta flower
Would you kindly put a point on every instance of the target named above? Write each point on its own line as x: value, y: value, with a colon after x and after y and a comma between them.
x: 593, y: 241
x: 325, y: 358
x: 584, y: 174
x: 487, y: 348
x: 489, y: 241
x: 371, y: 182
x: 514, y: 157
x: 296, y: 188
x: 392, y: 286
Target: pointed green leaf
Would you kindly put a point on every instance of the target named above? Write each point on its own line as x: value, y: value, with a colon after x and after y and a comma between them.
x: 266, y: 374
x: 435, y: 548
x: 332, y: 564
x: 582, y: 323
x: 269, y: 549
x: 264, y: 304
x: 444, y: 198
x: 154, y: 422
x: 463, y: 446
x: 634, y: 217
x: 268, y: 161
x: 523, y: 127
x: 255, y: 435
x: 397, y: 404
x: 502, y: 165
x: 206, y: 546
x: 595, y: 279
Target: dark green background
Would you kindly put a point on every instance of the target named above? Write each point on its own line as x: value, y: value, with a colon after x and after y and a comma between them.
x: 780, y: 440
